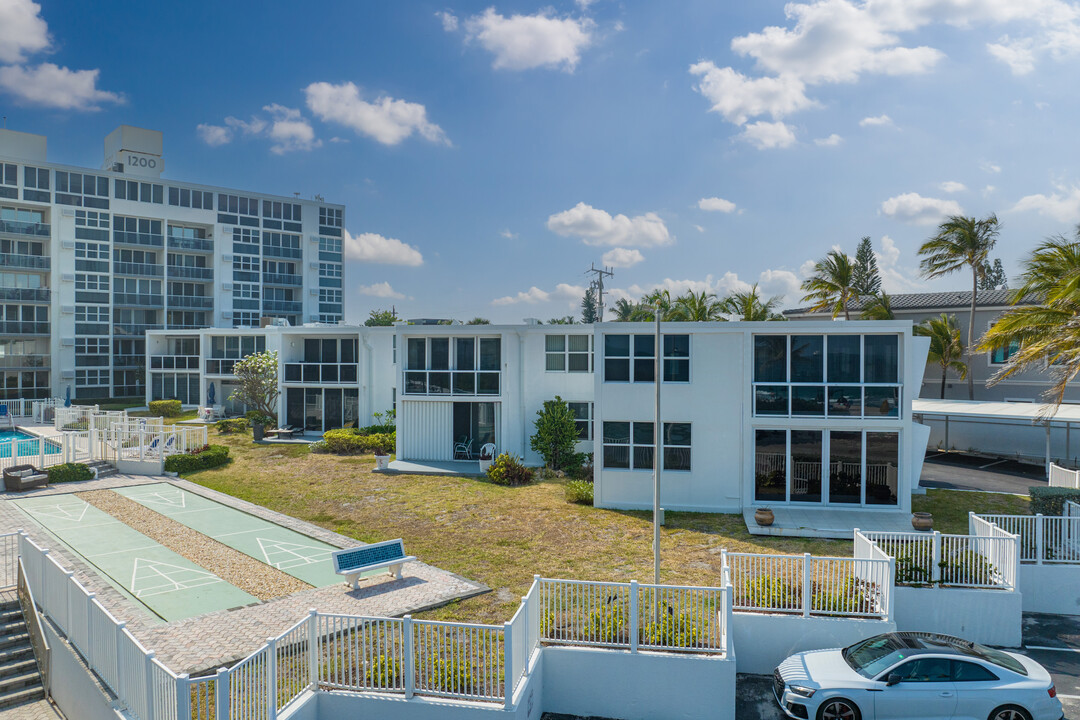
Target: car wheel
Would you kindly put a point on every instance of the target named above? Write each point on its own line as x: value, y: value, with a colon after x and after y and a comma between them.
x: 1010, y: 712
x: 842, y: 709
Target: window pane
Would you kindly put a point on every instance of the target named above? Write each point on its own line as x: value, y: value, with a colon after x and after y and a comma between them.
x: 845, y: 467
x: 882, y: 358
x: 578, y: 343
x: 616, y: 433
x: 439, y: 383
x: 643, y: 457
x: 844, y: 358
x: 464, y: 383
x: 882, y: 402
x: 677, y: 346
x: 440, y: 354
x: 617, y: 346
x: 677, y: 434
x: 882, y: 453
x: 644, y: 346
x: 555, y: 362
x: 416, y: 382
x: 806, y: 448
x: 554, y: 343
x: 643, y: 433
x: 808, y: 400
x: 617, y: 370
x: 466, y: 354
x: 487, y: 383
x: 312, y: 350
x: 770, y: 358
x: 770, y: 465
x: 579, y: 362
x: 644, y: 369
x: 490, y: 354
x: 677, y: 458
x: 617, y: 457
x: 329, y: 351
x: 807, y: 358
x: 845, y: 401
x: 676, y: 371
x: 771, y: 400
x: 417, y: 354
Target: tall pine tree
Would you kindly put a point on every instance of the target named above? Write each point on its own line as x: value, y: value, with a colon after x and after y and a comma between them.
x: 590, y: 306
x: 867, y: 281
x: 993, y: 276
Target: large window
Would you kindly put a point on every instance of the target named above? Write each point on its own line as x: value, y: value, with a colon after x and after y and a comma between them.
x: 583, y: 418
x: 452, y: 366
x: 632, y: 445
x: 632, y: 358
x: 827, y: 376
x: 841, y: 467
x: 568, y: 353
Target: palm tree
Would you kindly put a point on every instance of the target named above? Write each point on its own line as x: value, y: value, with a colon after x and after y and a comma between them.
x: 624, y: 310
x: 961, y: 241
x: 698, y: 307
x: 669, y: 310
x: 832, y: 286
x: 749, y: 305
x: 1047, y: 333
x: 878, y: 307
x: 945, y: 347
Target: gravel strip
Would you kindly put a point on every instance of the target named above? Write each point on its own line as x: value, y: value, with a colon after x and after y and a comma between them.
x: 234, y: 567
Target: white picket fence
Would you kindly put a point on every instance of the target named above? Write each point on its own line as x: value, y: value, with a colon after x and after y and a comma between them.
x: 809, y: 585
x: 42, y: 410
x: 987, y: 560
x: 463, y: 661
x: 1043, y: 539
x: 23, y: 407
x: 1063, y: 477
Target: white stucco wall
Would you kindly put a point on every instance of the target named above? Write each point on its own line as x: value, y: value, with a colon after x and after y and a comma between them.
x: 73, y: 689
x: 1050, y: 588
x: 991, y: 617
x: 765, y: 640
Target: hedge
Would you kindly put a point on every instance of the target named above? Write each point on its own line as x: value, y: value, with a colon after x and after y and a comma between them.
x: 70, y: 472
x: 347, y: 441
x: 377, y: 429
x: 165, y: 408
x: 232, y: 425
x: 1051, y: 500
x: 209, y: 456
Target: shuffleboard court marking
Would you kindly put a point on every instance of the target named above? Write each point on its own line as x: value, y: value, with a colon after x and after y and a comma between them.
x: 290, y: 555
x: 118, y: 552
x: 74, y: 510
x: 151, y: 577
x: 163, y: 498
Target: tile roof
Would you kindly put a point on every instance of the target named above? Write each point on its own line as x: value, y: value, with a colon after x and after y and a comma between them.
x: 936, y: 300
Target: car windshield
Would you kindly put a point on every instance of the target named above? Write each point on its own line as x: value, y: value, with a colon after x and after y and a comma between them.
x: 873, y: 655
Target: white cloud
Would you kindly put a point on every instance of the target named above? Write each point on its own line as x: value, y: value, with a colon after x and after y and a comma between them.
x: 988, y: 190
x: 918, y: 210
x: 386, y: 120
x: 290, y: 130
x: 831, y: 141
x: 894, y: 277
x: 52, y: 86
x: 374, y: 248
x: 951, y: 186
x: 890, y: 254
x: 380, y: 290
x: 1063, y: 205
x: 726, y: 283
x: 699, y: 228
x: 779, y: 282
x: 534, y: 295
x: 990, y: 167
x: 509, y: 235
x: 449, y: 20
x: 807, y: 268
x: 251, y: 127
x: 876, y: 121
x: 768, y: 135
x: 716, y: 204
x: 1018, y: 54
x: 622, y: 258
x: 523, y: 42
x: 738, y: 98
x: 23, y: 31
x: 597, y: 227
x: 214, y: 135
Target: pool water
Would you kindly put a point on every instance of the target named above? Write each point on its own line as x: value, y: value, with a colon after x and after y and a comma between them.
x: 23, y: 444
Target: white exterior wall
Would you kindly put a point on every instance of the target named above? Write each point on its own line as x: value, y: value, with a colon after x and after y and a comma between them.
x: 764, y: 640
x: 1050, y: 588
x: 990, y: 617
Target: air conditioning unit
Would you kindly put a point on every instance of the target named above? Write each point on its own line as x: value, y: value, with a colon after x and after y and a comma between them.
x: 67, y: 212
x: 67, y: 244
x: 314, y: 292
x: 313, y: 266
x: 313, y: 318
x: 226, y: 286
x: 67, y: 309
x: 67, y: 374
x: 313, y: 238
x: 226, y: 258
x: 67, y: 342
x: 67, y: 277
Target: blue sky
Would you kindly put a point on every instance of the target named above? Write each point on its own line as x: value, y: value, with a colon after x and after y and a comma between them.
x: 488, y: 153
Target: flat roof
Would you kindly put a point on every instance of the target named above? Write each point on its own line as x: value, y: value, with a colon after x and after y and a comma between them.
x: 994, y: 410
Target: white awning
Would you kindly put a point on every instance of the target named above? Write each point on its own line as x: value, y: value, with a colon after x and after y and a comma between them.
x: 994, y: 410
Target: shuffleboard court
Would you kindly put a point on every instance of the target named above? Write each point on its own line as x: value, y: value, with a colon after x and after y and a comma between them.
x: 296, y: 554
x: 171, y: 586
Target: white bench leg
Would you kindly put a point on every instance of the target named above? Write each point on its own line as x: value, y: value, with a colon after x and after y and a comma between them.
x: 353, y: 579
x: 395, y: 570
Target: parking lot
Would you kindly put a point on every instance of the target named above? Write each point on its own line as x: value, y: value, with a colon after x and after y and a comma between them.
x: 1052, y: 640
x: 964, y: 471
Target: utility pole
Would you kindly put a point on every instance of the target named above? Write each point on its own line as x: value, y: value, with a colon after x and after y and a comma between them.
x: 598, y: 282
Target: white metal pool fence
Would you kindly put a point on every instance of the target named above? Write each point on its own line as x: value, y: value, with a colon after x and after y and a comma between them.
x: 988, y: 558
x: 1043, y: 539
x: 809, y: 585
x: 403, y: 656
x: 1063, y: 477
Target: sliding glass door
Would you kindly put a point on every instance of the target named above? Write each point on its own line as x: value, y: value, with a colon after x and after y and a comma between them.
x: 473, y: 427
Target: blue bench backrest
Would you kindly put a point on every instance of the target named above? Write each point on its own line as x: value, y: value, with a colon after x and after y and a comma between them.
x: 3, y: 410
x: 368, y: 555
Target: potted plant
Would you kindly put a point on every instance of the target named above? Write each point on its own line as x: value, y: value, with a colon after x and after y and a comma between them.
x: 487, y: 456
x: 258, y: 424
x: 382, y: 450
x: 922, y: 521
x: 764, y: 516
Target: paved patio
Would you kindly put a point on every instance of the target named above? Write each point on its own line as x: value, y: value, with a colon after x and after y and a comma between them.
x: 433, y: 467
x: 204, y: 643
x: 818, y: 522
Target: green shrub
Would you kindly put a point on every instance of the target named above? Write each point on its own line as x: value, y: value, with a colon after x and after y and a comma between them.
x: 165, y: 408
x: 319, y: 446
x: 206, y: 457
x: 681, y: 630
x: 966, y: 566
x: 377, y: 429
x: 556, y: 435
x: 579, y: 491
x: 383, y: 672
x: 581, y: 468
x: 909, y: 571
x: 70, y: 472
x: 853, y: 596
x: 766, y: 591
x: 379, y: 443
x: 452, y: 672
x: 257, y: 418
x: 226, y: 427
x: 1051, y: 500
x: 346, y: 441
x: 508, y: 470
x: 609, y: 623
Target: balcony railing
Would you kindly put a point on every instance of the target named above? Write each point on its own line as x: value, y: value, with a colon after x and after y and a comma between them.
x: 30, y: 262
x: 129, y: 360
x: 245, y: 303
x: 91, y: 328
x: 140, y: 269
x: 174, y: 362
x: 282, y: 252
x: 135, y: 238
x: 28, y: 362
x: 321, y: 372
x: 452, y: 382
x: 194, y: 273
x: 15, y: 327
x: 16, y: 227
x: 220, y: 366
x: 135, y: 329
x: 191, y: 301
x: 282, y: 279
x: 194, y: 244
x: 25, y: 294
x: 138, y: 299
x: 283, y: 306
x: 91, y: 360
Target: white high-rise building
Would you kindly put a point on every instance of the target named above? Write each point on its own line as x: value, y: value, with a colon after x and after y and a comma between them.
x: 92, y: 259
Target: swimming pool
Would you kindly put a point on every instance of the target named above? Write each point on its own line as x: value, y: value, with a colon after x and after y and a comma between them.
x: 23, y: 444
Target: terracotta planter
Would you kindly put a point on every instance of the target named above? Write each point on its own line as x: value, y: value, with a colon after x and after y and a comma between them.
x: 764, y: 517
x: 382, y: 462
x: 922, y: 521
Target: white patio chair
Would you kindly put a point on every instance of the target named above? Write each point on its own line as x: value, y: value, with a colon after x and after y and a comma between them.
x: 463, y: 448
x: 487, y: 450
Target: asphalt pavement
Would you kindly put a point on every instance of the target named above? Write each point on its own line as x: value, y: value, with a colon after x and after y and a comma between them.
x: 961, y: 471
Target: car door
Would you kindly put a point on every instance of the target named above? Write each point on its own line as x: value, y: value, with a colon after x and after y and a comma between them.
x: 925, y: 691
x: 977, y: 690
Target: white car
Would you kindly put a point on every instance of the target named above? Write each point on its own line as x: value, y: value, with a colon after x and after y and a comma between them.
x: 921, y: 676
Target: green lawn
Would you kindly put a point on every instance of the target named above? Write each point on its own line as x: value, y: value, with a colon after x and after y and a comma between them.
x: 501, y: 536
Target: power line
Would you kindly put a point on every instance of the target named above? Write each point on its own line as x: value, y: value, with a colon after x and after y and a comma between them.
x: 598, y: 282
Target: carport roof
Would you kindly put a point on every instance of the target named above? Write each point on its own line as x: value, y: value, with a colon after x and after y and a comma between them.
x: 991, y: 410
